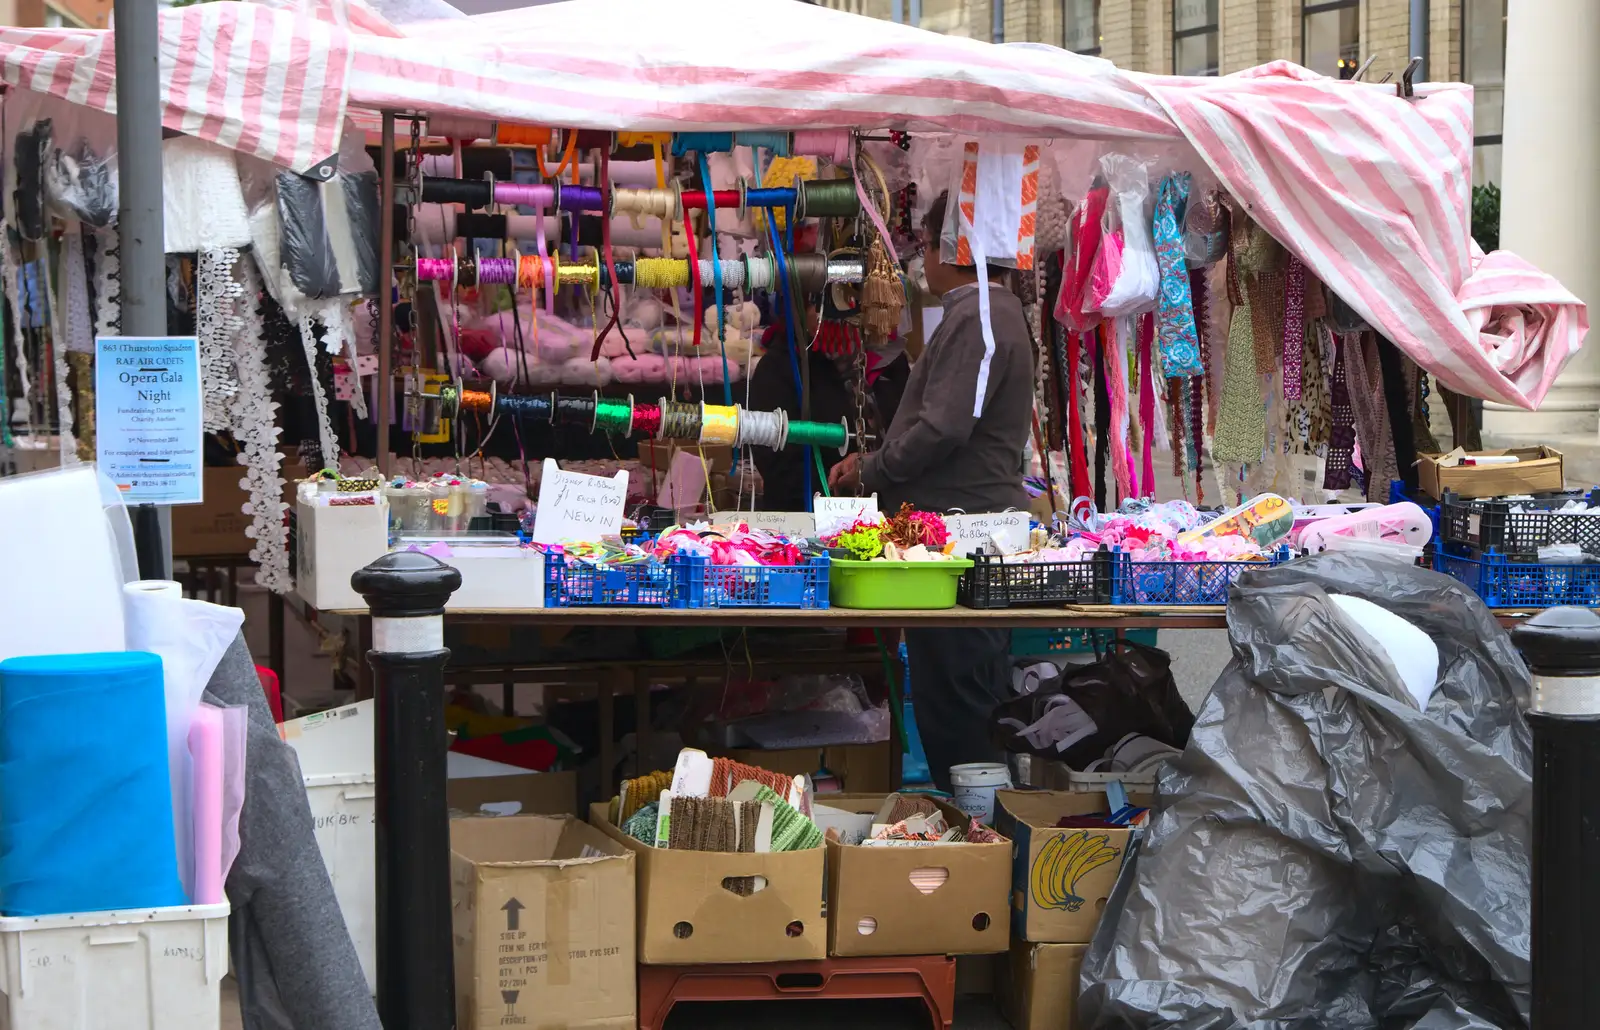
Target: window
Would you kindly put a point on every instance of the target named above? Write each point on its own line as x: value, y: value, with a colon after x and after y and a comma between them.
x: 1081, y: 26
x: 1483, y: 63
x: 1194, y: 37
x: 950, y: 17
x: 1330, y: 37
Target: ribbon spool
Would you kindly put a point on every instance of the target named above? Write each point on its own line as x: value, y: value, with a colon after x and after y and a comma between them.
x: 460, y: 400
x: 719, y: 424
x: 820, y: 434
x: 614, y: 416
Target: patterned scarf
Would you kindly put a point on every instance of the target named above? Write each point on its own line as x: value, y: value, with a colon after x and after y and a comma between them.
x: 1179, y: 341
x: 1342, y: 433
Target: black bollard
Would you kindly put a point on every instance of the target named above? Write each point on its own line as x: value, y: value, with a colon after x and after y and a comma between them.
x: 406, y: 592
x: 1562, y: 649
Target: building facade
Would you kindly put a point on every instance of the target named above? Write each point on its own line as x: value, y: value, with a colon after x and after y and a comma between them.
x: 1466, y: 38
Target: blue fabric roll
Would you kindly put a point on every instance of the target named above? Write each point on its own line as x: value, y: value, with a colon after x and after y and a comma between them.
x: 85, y: 795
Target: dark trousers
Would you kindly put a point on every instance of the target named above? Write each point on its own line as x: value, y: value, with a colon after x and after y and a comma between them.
x: 957, y: 677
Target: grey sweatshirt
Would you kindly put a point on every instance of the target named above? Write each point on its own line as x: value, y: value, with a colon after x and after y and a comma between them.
x: 936, y: 455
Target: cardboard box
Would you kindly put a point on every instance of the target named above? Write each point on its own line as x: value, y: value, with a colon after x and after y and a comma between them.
x: 551, y: 793
x: 1057, y: 898
x: 331, y: 543
x: 1539, y: 471
x: 688, y: 916
x: 718, y: 456
x: 1039, y: 985
x: 497, y: 578
x: 874, y: 908
x: 215, y: 527
x: 862, y: 768
x: 543, y: 924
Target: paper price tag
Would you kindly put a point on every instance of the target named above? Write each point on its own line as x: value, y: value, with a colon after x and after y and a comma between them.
x: 836, y: 513
x: 788, y: 523
x: 983, y: 531
x: 575, y: 508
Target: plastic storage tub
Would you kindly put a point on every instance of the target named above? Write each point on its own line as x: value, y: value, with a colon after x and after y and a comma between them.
x: 895, y: 585
x: 142, y: 969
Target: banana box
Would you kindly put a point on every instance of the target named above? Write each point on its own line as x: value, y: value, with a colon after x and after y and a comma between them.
x: 930, y: 899
x: 1060, y: 878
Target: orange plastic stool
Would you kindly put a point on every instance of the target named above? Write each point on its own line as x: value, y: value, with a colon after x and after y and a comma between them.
x: 930, y: 978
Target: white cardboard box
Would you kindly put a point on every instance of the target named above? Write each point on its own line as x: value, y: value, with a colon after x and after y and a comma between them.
x: 331, y: 543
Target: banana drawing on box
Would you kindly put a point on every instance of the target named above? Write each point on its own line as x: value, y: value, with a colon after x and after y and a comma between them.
x: 1062, y: 862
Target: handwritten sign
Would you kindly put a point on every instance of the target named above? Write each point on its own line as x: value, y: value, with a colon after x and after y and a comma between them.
x: 788, y: 523
x: 574, y: 508
x: 1002, y: 532
x: 148, y: 416
x: 836, y: 513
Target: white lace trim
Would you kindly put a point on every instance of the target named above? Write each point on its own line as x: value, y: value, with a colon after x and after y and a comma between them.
x: 107, y: 283
x: 66, y: 439
x: 329, y: 442
x: 218, y: 324
x: 8, y: 268
x: 75, y: 290
x: 253, y: 418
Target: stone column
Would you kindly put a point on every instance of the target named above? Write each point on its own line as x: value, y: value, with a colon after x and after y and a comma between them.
x: 1549, y: 210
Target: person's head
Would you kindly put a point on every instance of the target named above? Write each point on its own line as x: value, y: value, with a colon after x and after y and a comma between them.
x: 942, y: 277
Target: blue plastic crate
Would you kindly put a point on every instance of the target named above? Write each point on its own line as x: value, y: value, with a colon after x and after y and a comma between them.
x: 576, y: 584
x: 701, y: 584
x: 1503, y: 583
x: 1180, y: 582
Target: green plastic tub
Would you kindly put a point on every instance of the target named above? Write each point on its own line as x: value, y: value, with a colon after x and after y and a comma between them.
x: 894, y: 584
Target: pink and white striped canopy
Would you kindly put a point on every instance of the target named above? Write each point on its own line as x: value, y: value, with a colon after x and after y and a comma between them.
x: 1371, y: 191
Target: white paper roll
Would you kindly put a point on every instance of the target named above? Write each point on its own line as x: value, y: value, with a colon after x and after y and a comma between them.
x: 66, y: 580
x: 161, y: 587
x: 190, y: 637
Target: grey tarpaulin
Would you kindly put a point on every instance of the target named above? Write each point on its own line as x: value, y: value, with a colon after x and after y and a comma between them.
x: 1325, y: 855
x: 292, y: 955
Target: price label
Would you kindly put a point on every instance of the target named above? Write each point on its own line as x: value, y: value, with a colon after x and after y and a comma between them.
x: 994, y: 532
x: 836, y: 513
x: 787, y: 523
x: 576, y: 508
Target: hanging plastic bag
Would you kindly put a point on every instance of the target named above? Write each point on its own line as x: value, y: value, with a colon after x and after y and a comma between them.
x: 1205, y: 231
x: 1133, y: 286
x: 330, y: 233
x: 1326, y: 853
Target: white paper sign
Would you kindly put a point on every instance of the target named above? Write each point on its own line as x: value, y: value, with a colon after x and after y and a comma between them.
x: 981, y: 532
x: 836, y: 513
x: 788, y: 523
x: 575, y: 508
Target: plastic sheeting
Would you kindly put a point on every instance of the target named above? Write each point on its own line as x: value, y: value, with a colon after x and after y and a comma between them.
x: 330, y: 233
x: 1326, y: 854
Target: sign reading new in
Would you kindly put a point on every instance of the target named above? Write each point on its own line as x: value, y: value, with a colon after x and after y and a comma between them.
x: 148, y: 417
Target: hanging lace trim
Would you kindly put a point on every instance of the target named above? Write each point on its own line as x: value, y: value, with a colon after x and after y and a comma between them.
x: 252, y: 415
x: 75, y: 295
x: 66, y: 441
x: 217, y: 324
x: 339, y: 339
x: 8, y: 268
x: 328, y: 441
x: 107, y: 283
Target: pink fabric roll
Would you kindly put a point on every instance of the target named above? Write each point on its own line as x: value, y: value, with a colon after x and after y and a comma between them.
x: 205, y: 755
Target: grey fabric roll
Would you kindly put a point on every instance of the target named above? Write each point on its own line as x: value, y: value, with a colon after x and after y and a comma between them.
x: 292, y: 955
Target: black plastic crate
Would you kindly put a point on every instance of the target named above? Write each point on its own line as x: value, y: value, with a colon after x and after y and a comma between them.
x: 993, y: 582
x: 1490, y: 524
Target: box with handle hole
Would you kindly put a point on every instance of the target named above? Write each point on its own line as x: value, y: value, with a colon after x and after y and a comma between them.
x: 707, y: 907
x: 915, y: 899
x: 1061, y: 878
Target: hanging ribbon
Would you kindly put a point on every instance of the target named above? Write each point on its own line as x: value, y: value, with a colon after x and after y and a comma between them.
x: 1294, y: 327
x: 716, y: 279
x: 1175, y: 314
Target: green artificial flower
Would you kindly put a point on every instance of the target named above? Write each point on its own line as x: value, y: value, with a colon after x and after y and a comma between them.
x: 864, y: 541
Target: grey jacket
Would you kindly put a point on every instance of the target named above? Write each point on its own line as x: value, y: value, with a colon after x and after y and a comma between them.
x: 936, y: 455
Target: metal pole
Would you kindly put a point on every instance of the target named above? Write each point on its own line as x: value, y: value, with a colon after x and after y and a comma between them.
x: 385, y: 295
x: 406, y: 592
x: 139, y: 224
x: 1562, y: 649
x: 1421, y: 17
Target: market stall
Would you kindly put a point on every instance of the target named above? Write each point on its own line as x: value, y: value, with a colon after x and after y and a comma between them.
x: 584, y: 229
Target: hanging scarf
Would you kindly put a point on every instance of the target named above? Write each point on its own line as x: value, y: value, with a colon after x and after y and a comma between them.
x: 1365, y: 380
x: 1175, y: 312
x: 1294, y: 327
x: 1077, y: 458
x: 1342, y: 434
x: 1242, y: 417
x: 1398, y: 410
x: 1116, y: 338
x: 1102, y: 417
x: 1087, y: 232
x: 1147, y: 406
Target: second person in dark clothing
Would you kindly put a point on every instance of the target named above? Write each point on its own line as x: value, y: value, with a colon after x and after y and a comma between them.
x: 957, y: 442
x: 772, y: 388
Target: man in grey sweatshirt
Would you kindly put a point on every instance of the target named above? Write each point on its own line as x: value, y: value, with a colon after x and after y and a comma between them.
x: 938, y: 455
